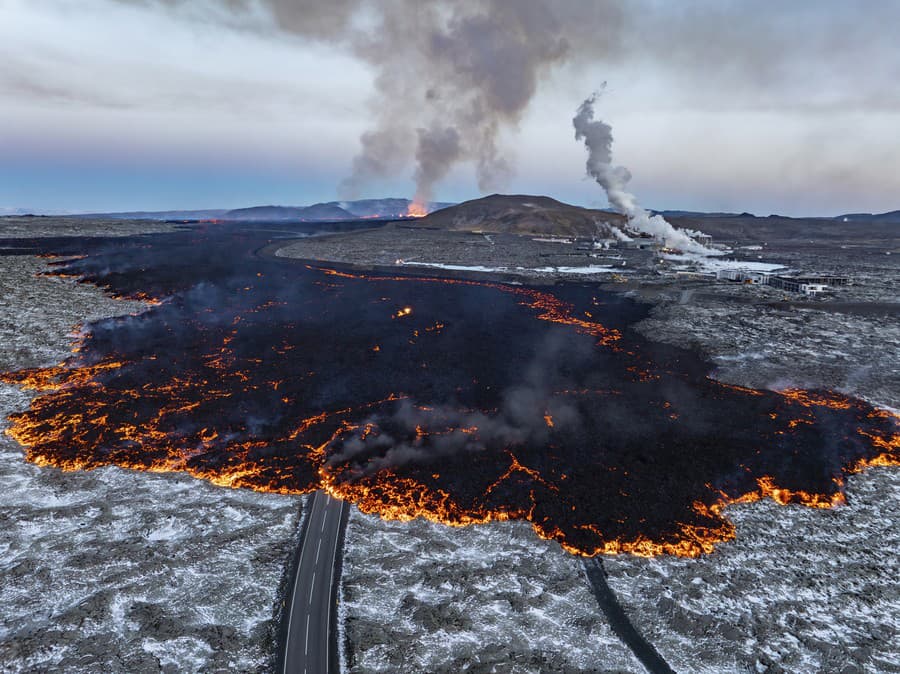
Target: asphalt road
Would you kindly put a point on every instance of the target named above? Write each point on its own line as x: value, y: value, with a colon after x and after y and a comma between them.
x: 311, y: 605
x: 620, y: 622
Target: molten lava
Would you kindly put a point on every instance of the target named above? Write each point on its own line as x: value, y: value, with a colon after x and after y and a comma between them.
x: 417, y: 210
x: 457, y: 401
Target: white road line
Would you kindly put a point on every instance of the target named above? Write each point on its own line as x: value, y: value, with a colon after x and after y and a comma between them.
x: 306, y: 645
x: 318, y: 548
x: 312, y: 587
x: 330, y: 578
x: 296, y: 579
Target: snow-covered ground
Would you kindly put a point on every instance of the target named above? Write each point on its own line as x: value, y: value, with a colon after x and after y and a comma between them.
x: 585, y: 269
x: 422, y: 597
x: 765, y: 346
x: 713, y: 264
x: 588, y: 269
x: 118, y: 571
x: 799, y: 590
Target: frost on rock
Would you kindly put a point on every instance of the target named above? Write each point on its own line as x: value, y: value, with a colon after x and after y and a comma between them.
x: 765, y: 347
x: 798, y: 590
x: 423, y: 597
x: 119, y: 571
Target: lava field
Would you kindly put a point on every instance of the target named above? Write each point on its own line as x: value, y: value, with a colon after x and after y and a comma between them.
x: 454, y: 400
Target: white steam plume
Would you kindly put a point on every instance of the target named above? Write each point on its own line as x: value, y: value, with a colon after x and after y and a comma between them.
x: 597, y: 136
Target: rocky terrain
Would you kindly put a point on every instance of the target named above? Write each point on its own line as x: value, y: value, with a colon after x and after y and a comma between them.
x: 112, y: 570
x: 134, y: 572
x: 799, y: 589
x: 523, y: 214
x: 30, y: 226
x: 409, y: 248
x: 488, y: 598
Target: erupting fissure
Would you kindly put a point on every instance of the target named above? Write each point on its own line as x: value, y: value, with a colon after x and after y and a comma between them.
x: 458, y: 401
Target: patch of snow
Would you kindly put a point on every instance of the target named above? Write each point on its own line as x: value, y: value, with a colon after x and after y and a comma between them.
x: 714, y: 263
x: 451, y: 267
x: 589, y: 269
x: 114, y: 570
x: 422, y: 597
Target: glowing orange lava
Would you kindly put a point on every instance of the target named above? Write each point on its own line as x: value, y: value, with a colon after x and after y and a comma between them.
x: 416, y: 210
x: 533, y: 452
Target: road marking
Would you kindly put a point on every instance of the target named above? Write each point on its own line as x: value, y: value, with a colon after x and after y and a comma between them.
x: 321, y: 506
x: 296, y: 580
x: 331, y: 577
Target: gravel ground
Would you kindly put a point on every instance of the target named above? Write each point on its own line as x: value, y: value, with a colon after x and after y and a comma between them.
x: 24, y: 227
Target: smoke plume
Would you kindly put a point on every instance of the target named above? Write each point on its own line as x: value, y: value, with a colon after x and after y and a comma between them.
x: 597, y: 136
x: 450, y: 76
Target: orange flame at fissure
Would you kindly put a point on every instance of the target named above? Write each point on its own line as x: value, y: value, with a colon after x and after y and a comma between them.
x: 416, y: 210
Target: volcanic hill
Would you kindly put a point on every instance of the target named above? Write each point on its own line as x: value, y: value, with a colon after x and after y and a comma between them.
x: 316, y: 212
x: 523, y: 214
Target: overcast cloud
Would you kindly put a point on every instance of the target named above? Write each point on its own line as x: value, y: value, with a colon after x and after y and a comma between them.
x: 763, y: 106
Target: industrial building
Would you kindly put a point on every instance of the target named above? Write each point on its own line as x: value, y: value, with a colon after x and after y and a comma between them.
x: 744, y: 276
x: 807, y: 284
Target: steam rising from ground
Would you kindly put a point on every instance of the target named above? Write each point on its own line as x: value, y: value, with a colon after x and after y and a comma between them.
x: 597, y: 136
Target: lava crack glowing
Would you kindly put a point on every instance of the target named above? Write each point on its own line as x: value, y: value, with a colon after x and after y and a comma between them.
x: 458, y: 401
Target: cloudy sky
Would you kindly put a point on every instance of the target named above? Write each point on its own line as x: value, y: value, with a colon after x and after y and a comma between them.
x: 715, y: 105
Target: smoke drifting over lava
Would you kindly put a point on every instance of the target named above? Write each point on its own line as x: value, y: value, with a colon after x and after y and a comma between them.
x: 454, y: 400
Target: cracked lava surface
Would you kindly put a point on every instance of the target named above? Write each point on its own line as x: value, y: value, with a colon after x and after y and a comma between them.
x: 458, y: 401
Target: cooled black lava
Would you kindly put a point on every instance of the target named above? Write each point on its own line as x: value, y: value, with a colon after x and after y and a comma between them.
x: 459, y: 401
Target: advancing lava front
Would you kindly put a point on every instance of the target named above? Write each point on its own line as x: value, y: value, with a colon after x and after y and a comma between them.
x: 458, y: 401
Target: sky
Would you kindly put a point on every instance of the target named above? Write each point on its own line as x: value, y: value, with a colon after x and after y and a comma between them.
x: 762, y: 106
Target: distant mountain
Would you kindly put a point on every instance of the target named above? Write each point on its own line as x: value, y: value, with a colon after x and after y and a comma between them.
x: 890, y: 217
x: 6, y: 211
x: 208, y: 214
x: 701, y: 214
x: 332, y: 210
x: 523, y: 214
x: 314, y: 213
x: 385, y: 208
